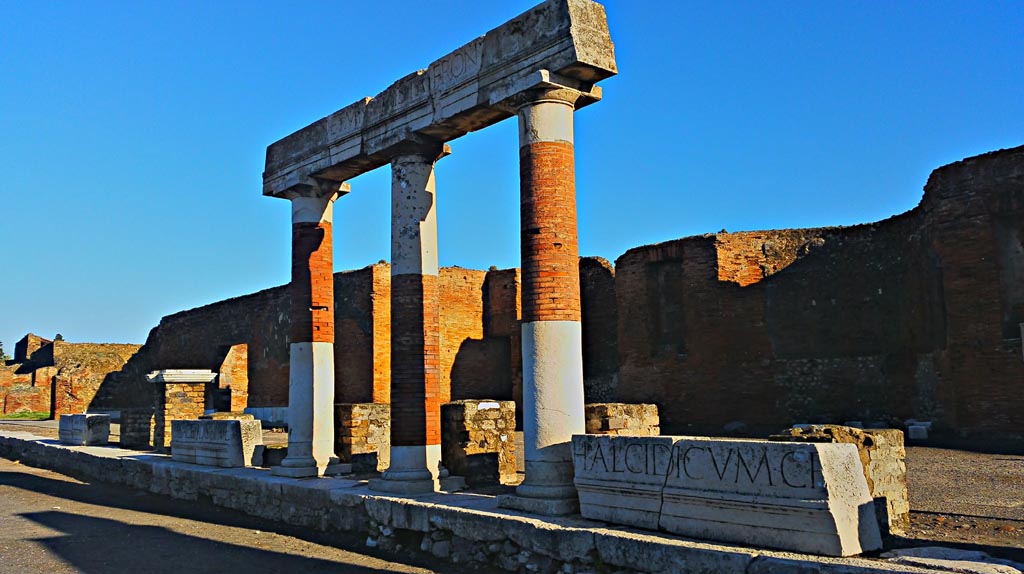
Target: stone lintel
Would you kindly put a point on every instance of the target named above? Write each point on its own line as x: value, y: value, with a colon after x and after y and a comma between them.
x: 564, y: 43
x: 181, y: 376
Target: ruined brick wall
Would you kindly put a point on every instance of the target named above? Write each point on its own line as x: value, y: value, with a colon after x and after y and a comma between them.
x: 27, y: 346
x: 600, y: 330
x: 81, y: 369
x: 354, y: 345
x: 474, y: 363
x: 913, y: 317
x: 743, y: 332
x: 59, y: 377
x: 974, y: 214
x: 201, y: 338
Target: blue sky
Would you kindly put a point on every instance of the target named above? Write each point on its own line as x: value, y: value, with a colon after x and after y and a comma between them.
x: 133, y: 134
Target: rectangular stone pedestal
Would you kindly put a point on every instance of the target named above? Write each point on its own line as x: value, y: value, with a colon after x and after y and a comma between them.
x: 223, y: 443
x: 84, y: 430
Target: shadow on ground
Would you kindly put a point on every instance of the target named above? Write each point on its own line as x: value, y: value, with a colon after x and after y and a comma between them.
x: 103, y: 546
x: 100, y: 545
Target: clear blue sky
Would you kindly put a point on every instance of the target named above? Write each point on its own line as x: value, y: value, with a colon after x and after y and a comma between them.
x: 132, y: 134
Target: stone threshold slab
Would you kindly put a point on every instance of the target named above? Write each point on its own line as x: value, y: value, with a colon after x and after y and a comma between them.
x: 348, y: 505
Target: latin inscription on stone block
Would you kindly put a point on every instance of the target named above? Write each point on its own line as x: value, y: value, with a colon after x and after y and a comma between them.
x: 791, y: 496
x: 224, y: 443
x: 84, y: 430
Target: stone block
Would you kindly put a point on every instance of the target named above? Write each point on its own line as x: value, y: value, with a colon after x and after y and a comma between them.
x: 362, y: 435
x: 477, y: 441
x: 620, y: 478
x: 883, y: 457
x: 622, y: 419
x: 223, y: 443
x: 84, y: 430
x: 803, y: 497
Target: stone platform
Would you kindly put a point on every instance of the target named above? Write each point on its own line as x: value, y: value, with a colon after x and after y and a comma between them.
x: 499, y: 536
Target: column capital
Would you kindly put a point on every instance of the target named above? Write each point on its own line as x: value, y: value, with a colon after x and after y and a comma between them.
x: 547, y: 86
x: 428, y: 149
x: 316, y: 188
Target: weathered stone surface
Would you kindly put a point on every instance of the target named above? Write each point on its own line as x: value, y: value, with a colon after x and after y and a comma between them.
x: 224, y: 443
x: 563, y: 42
x: 883, y: 457
x: 954, y: 560
x: 84, y: 430
x: 363, y: 435
x: 227, y: 416
x: 622, y: 419
x: 477, y: 441
x: 620, y: 479
x: 792, y: 496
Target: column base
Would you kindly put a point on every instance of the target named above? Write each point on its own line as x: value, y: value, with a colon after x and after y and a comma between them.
x: 542, y: 506
x: 333, y: 469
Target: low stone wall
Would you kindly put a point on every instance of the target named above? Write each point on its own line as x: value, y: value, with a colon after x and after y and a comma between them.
x: 363, y: 435
x: 622, y: 419
x: 473, y: 535
x: 883, y: 456
x: 477, y: 441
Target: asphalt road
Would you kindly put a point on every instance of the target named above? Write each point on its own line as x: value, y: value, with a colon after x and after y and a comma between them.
x: 52, y: 524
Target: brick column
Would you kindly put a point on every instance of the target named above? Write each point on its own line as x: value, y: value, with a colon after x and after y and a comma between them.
x: 415, y: 345
x: 552, y: 336
x: 311, y: 336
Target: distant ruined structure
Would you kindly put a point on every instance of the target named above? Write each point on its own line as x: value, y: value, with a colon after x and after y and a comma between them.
x: 917, y: 316
x: 58, y: 377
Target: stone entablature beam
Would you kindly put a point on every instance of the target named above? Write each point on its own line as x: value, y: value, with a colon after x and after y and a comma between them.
x: 561, y: 42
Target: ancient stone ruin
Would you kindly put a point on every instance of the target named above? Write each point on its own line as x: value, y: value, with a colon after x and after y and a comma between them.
x: 418, y: 372
x: 539, y: 67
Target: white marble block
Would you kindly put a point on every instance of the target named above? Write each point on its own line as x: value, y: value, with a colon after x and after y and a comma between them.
x: 224, y: 443
x: 803, y: 497
x: 84, y: 430
x: 620, y: 478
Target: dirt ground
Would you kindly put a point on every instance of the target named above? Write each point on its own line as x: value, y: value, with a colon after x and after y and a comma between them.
x: 958, y: 498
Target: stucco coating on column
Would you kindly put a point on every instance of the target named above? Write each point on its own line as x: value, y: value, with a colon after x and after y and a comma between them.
x: 546, y: 121
x: 313, y: 208
x: 310, y: 410
x: 552, y: 404
x: 413, y: 215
